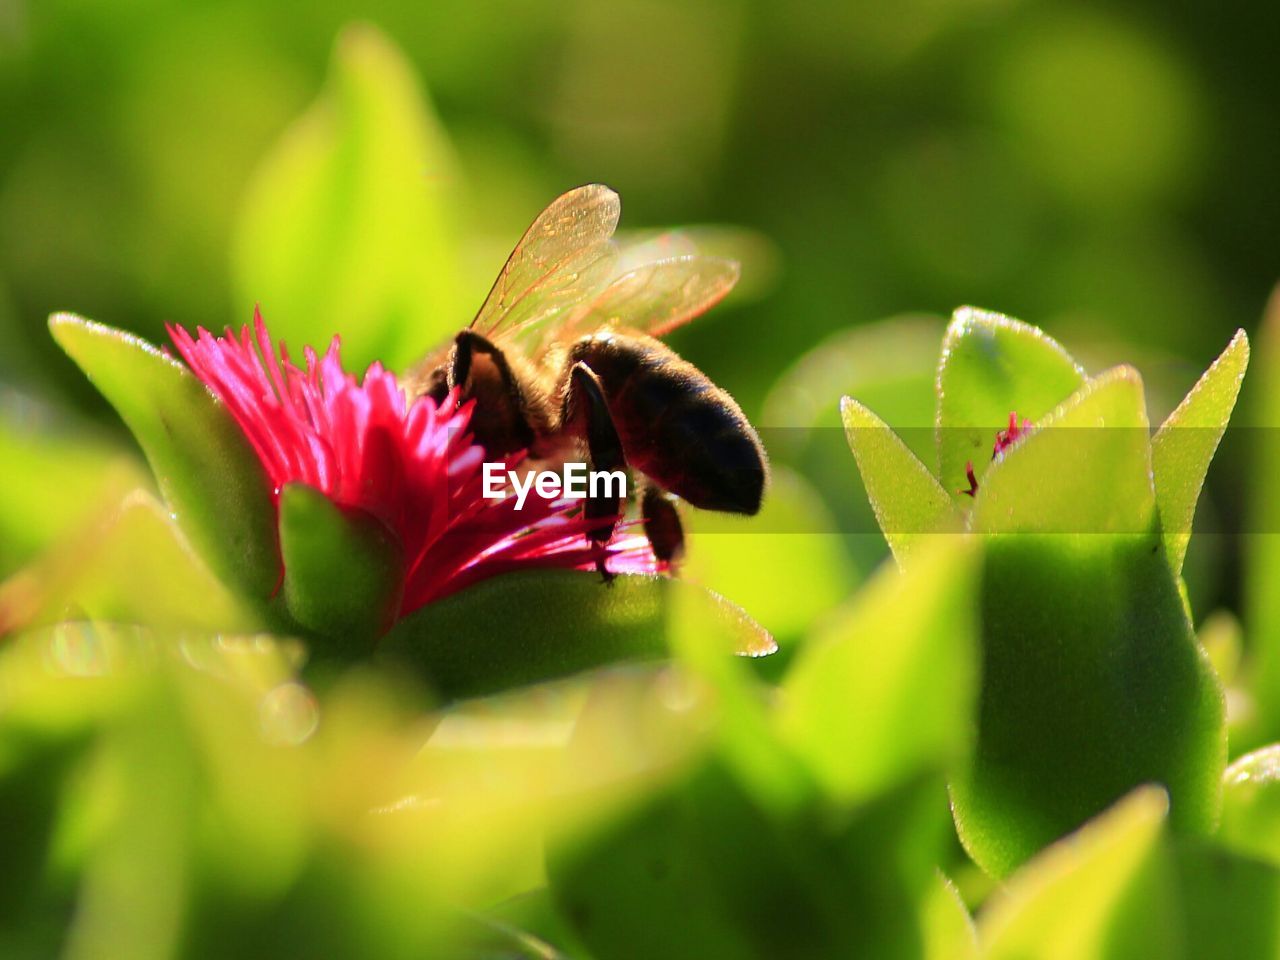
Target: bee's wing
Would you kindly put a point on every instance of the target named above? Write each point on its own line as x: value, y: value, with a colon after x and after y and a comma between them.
x: 565, y: 258
x: 638, y: 247
x: 656, y: 297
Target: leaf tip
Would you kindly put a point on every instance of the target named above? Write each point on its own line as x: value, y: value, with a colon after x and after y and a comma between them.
x: 62, y: 318
x: 763, y: 646
x: 1239, y: 345
x: 968, y: 319
x: 64, y: 326
x: 75, y: 334
x: 755, y: 641
x: 856, y: 416
x: 360, y: 39
x: 1153, y: 798
x: 1123, y: 372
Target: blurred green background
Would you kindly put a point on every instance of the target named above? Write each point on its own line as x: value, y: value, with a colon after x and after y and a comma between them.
x: 1104, y: 171
x: 1107, y: 167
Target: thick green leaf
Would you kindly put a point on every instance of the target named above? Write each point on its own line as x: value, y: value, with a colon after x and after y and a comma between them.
x: 1120, y: 888
x: 485, y: 937
x: 742, y: 723
x: 533, y: 626
x: 1262, y: 566
x: 949, y: 933
x: 1230, y: 905
x: 43, y: 734
x: 755, y: 858
x: 344, y: 572
x: 689, y: 833
x: 1251, y: 804
x: 1085, y: 638
x: 54, y: 480
x: 1093, y: 682
x: 532, y: 916
x: 1084, y: 469
x: 1222, y: 639
x: 210, y: 476
x: 702, y: 869
x: 346, y: 226
x: 886, y: 689
x: 131, y: 565
x: 1103, y: 893
x: 621, y: 884
x: 181, y: 778
x: 909, y: 503
x: 1185, y: 444
x: 991, y: 366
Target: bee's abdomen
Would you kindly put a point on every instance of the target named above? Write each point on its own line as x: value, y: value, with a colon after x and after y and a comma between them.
x: 678, y: 428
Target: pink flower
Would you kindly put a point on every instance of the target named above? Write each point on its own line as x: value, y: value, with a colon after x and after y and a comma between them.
x: 413, y: 466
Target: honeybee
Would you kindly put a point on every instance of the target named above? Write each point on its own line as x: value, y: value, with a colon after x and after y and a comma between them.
x: 564, y: 362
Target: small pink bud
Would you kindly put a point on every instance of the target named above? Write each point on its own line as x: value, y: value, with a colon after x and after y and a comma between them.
x: 1004, y: 440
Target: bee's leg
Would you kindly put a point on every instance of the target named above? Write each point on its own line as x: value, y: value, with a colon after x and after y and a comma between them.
x: 437, y: 385
x: 662, y: 524
x: 585, y: 408
x: 466, y: 345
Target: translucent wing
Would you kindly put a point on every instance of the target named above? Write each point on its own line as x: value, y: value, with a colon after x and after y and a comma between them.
x: 563, y: 259
x: 638, y: 247
x: 655, y: 297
